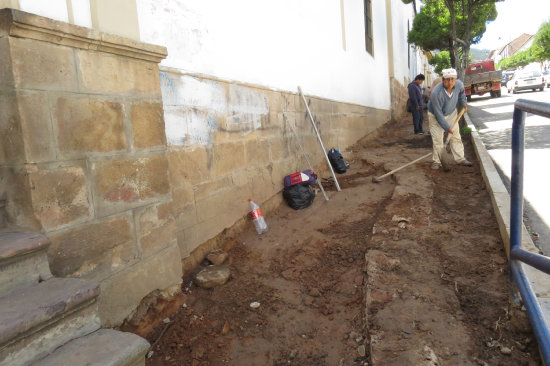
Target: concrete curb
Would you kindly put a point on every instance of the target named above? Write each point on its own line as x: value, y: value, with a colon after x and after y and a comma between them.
x: 500, y: 198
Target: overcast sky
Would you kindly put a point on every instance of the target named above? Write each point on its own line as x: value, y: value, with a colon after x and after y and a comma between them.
x: 515, y: 17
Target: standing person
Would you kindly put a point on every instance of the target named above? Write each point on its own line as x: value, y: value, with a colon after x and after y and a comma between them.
x: 442, y: 112
x: 416, y: 103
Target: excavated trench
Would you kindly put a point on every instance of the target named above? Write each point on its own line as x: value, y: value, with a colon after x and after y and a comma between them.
x: 408, y: 271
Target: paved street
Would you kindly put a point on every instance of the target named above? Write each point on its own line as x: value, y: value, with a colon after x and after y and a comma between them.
x: 493, y: 120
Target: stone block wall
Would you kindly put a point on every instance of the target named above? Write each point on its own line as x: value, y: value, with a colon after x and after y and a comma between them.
x: 83, y: 156
x: 134, y: 174
x: 400, y: 94
x: 228, y: 142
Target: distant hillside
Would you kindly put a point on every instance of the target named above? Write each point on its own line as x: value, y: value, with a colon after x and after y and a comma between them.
x: 479, y: 55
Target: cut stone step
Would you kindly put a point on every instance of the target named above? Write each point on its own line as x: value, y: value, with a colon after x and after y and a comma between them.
x: 105, y: 347
x: 23, y: 259
x: 35, y: 320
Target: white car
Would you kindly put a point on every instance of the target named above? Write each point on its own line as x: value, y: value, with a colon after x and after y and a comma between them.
x: 546, y: 76
x: 525, y: 80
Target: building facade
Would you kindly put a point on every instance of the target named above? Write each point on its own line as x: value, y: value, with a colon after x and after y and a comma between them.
x: 134, y: 131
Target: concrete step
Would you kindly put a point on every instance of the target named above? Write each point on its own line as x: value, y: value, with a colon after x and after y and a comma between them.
x: 105, y: 347
x: 23, y: 260
x: 37, y: 319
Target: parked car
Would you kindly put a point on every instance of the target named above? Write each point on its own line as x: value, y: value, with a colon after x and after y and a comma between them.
x: 546, y: 76
x: 525, y: 80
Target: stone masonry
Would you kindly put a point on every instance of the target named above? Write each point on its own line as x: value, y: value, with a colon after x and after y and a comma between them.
x: 228, y: 142
x: 83, y: 156
x: 135, y: 173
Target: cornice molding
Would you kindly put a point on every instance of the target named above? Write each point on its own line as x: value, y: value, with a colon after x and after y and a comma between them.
x: 16, y: 23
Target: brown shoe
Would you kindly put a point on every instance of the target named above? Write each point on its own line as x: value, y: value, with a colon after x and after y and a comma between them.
x: 465, y: 162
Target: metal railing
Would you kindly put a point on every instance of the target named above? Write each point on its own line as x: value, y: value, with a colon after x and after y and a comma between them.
x: 517, y: 254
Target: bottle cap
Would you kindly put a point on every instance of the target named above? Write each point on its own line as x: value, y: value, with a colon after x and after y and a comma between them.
x: 250, y: 199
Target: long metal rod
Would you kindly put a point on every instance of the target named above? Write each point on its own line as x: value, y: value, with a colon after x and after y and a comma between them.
x: 516, y: 181
x: 305, y: 154
x: 517, y: 254
x: 537, y: 261
x: 319, y: 138
x: 534, y: 311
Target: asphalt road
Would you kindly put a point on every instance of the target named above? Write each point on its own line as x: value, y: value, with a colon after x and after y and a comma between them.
x: 493, y: 120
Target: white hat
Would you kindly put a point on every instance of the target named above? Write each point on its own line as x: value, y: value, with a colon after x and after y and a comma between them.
x: 448, y: 73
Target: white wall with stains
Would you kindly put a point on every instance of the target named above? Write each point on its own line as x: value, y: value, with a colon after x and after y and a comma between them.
x: 276, y: 44
x: 404, y: 55
x: 193, y: 108
x: 317, y: 44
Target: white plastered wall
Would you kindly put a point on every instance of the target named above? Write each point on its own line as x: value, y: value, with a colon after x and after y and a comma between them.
x: 70, y: 11
x: 276, y: 44
x: 54, y: 9
x: 404, y: 58
x: 319, y: 45
x: 409, y: 60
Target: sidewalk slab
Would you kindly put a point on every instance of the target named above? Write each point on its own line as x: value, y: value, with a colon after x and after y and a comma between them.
x: 540, y: 282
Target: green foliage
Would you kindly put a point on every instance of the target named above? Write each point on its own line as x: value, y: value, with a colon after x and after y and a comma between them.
x: 431, y: 27
x: 521, y: 58
x: 465, y: 130
x: 541, y: 45
x: 483, y: 14
x: 441, y: 61
x: 539, y: 51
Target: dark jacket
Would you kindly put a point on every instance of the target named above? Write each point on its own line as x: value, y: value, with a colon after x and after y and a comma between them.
x: 415, y: 96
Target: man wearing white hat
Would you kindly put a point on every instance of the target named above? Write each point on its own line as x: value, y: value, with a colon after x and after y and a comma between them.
x: 442, y: 112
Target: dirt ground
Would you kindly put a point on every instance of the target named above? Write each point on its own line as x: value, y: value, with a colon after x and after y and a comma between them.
x: 408, y: 271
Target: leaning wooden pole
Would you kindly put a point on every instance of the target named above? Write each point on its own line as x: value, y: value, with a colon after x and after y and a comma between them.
x: 305, y: 154
x: 319, y: 138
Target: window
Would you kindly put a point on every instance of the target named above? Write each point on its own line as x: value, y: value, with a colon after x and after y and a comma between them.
x: 368, y: 27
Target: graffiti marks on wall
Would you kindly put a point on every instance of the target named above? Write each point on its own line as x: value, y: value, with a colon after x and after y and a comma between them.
x: 246, y: 109
x: 195, y: 108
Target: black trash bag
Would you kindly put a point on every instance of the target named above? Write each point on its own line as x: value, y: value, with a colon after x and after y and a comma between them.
x: 337, y: 161
x: 298, y: 196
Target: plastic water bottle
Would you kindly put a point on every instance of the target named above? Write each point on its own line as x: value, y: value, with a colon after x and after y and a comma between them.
x: 257, y: 217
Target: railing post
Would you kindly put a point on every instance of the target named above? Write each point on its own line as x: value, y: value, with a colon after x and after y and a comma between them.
x: 518, y: 256
x: 516, y: 195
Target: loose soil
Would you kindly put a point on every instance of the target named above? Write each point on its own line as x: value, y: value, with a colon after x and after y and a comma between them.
x: 408, y: 271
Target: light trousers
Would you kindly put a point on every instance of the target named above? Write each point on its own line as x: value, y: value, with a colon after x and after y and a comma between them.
x: 437, y: 137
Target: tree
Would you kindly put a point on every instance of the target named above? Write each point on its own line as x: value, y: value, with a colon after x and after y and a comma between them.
x: 485, y: 11
x: 452, y: 25
x: 539, y: 51
x: 441, y: 61
x: 431, y: 28
x: 541, y: 44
